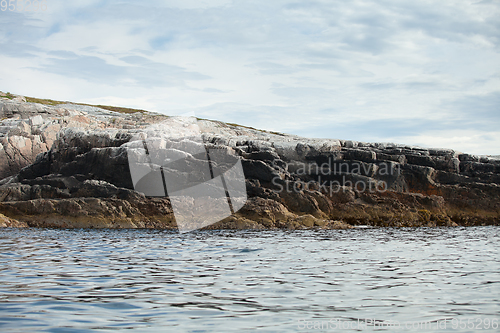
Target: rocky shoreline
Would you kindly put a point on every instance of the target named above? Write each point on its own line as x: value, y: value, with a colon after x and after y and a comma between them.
x: 66, y: 166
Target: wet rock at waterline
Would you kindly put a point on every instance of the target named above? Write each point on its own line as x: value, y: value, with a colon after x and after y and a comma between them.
x: 68, y: 166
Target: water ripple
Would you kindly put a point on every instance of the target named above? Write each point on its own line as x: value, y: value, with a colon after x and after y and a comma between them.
x: 151, y: 280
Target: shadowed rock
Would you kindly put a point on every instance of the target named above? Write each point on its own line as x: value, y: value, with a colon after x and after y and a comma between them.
x: 68, y: 167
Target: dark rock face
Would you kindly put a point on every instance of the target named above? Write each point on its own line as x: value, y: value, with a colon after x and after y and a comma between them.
x: 83, y: 180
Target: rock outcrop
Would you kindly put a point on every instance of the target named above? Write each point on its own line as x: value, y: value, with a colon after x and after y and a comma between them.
x: 67, y: 166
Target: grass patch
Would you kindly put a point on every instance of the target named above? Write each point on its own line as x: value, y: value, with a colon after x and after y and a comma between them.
x: 52, y: 102
x: 44, y: 101
x: 9, y: 96
x: 118, y: 109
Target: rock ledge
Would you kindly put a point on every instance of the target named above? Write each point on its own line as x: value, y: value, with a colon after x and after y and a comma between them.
x: 66, y: 166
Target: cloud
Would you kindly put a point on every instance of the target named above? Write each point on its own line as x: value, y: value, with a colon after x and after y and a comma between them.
x: 139, y: 71
x: 478, y: 112
x: 362, y: 69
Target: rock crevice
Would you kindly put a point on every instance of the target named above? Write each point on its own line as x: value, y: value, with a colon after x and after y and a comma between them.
x: 67, y: 166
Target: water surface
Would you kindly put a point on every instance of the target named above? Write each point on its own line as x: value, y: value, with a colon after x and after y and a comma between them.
x: 54, y: 280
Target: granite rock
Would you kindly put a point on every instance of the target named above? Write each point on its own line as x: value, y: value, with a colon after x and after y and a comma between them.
x: 67, y: 166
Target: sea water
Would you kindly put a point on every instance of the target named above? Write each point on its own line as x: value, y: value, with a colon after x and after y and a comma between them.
x: 412, y: 279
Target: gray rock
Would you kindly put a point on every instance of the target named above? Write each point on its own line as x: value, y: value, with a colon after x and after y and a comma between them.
x: 68, y: 163
x: 36, y: 120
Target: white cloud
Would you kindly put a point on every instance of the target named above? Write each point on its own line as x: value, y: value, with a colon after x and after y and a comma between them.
x: 477, y: 142
x: 98, y: 38
x: 368, y: 70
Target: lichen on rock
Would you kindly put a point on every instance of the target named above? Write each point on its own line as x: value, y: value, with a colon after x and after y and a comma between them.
x: 67, y: 166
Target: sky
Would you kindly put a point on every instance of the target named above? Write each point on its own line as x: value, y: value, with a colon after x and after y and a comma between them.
x: 423, y: 73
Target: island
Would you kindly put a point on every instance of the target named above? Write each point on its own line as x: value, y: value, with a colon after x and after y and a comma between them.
x: 66, y: 165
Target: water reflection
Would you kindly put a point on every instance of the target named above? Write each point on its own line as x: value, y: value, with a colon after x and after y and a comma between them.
x: 150, y: 280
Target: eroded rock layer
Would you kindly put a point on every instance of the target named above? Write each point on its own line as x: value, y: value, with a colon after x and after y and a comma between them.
x: 67, y: 166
